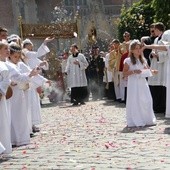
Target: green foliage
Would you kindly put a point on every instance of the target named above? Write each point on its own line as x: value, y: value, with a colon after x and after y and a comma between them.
x: 136, y: 19
x: 162, y: 11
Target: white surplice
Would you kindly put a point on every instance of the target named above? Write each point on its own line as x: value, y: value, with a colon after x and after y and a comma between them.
x: 167, y: 112
x: 5, y: 128
x: 76, y: 73
x: 109, y: 73
x: 166, y: 56
x: 160, y: 65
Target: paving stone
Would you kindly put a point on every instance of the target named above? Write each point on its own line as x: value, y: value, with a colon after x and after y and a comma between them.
x: 92, y: 137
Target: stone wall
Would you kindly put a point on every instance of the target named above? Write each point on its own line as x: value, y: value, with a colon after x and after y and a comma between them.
x: 7, y: 16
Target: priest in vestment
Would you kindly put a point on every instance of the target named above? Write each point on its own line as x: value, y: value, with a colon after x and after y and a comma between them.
x: 165, y: 47
x: 114, y: 63
x: 157, y: 82
x: 75, y: 69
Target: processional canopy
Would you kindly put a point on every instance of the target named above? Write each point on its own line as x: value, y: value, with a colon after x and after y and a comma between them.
x: 59, y: 30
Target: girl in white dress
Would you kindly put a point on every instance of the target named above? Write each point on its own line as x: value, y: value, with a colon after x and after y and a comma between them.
x: 5, y: 137
x: 139, y: 111
x: 20, y: 131
x: 6, y: 73
x: 20, y: 101
x: 20, y: 134
x: 32, y: 59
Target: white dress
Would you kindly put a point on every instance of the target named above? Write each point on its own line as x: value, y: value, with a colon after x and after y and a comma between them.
x: 33, y: 61
x: 15, y: 74
x: 20, y: 132
x: 5, y: 128
x: 33, y: 56
x: 139, y: 111
x: 32, y: 97
x: 2, y: 149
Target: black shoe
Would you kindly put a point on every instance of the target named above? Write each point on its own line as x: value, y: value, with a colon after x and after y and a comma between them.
x: 82, y: 103
x: 75, y: 104
x: 32, y: 135
x: 35, y: 129
x: 118, y: 100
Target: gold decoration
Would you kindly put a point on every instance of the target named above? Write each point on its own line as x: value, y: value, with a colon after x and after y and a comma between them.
x: 59, y: 30
x: 62, y: 30
x: 20, y: 26
x: 92, y: 35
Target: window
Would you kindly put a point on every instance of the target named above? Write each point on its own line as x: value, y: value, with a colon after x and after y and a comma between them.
x: 69, y: 2
x: 66, y: 2
x: 112, y: 2
x: 79, y: 2
x: 84, y: 2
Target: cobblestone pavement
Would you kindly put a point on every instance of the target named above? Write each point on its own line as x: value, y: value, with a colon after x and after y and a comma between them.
x: 92, y: 137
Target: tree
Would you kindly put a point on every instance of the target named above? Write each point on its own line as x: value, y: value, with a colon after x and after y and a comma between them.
x: 162, y: 12
x: 136, y: 19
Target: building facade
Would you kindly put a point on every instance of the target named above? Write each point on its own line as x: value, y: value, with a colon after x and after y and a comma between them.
x: 102, y: 14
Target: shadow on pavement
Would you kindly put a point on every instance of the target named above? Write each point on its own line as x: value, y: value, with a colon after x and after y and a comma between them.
x: 68, y: 106
x: 134, y: 129
x: 114, y: 103
x: 167, y: 121
x: 161, y: 116
x: 167, y: 130
x: 5, y: 158
x: 49, y: 105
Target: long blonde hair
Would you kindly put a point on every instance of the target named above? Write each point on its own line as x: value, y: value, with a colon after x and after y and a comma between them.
x: 132, y: 46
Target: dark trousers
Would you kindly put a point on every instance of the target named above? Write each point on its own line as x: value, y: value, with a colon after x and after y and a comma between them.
x: 110, y: 92
x: 78, y: 94
x: 159, y: 98
x: 96, y: 87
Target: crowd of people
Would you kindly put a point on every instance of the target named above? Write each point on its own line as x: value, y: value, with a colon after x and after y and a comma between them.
x: 134, y: 72
x: 20, y: 76
x: 131, y: 72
